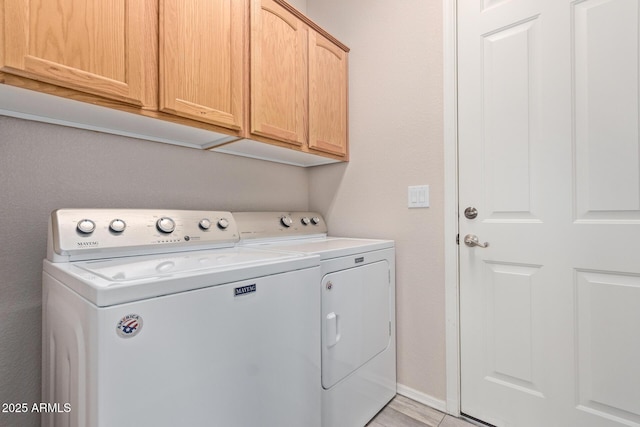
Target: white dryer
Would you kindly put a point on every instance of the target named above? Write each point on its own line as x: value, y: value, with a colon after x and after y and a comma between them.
x: 357, y: 310
x: 155, y: 318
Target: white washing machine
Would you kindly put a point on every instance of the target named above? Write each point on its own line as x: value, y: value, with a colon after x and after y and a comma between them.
x: 357, y: 310
x: 155, y: 318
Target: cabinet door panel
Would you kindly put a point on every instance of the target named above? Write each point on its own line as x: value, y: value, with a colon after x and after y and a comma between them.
x: 202, y: 60
x: 327, y: 96
x: 106, y: 47
x: 278, y: 73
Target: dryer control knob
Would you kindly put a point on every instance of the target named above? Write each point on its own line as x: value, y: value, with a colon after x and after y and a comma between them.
x: 286, y: 221
x: 86, y: 226
x: 205, y: 224
x: 305, y: 220
x: 315, y: 220
x: 117, y: 226
x: 165, y: 225
x: 223, y: 223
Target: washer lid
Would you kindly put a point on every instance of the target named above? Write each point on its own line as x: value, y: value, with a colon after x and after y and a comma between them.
x: 157, y: 266
x: 119, y: 280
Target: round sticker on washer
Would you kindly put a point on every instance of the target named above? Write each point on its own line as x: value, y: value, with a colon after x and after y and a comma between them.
x: 129, y: 326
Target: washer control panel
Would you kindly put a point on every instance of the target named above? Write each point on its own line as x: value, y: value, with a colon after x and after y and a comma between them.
x: 267, y: 225
x: 101, y: 233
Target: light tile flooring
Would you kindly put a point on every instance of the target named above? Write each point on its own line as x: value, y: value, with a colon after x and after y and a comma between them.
x: 404, y: 412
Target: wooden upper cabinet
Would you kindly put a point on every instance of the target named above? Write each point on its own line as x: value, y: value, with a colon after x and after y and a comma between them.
x: 250, y: 71
x: 299, y: 76
x: 278, y: 73
x: 107, y: 47
x: 202, y: 53
x: 327, y: 96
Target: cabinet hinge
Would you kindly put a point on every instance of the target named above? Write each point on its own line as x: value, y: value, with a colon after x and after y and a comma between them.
x: 457, y: 239
x: 389, y: 327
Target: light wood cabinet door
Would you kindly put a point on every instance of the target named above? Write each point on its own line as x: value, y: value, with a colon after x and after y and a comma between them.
x: 103, y: 47
x: 202, y: 60
x: 278, y: 73
x: 327, y: 96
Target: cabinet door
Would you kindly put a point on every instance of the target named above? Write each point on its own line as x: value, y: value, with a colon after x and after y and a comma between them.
x: 278, y: 73
x: 103, y: 47
x: 327, y: 96
x: 202, y: 60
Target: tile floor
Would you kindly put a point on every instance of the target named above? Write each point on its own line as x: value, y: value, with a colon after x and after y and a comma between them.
x: 404, y: 412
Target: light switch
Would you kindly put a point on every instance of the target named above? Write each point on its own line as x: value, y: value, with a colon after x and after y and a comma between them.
x: 418, y: 196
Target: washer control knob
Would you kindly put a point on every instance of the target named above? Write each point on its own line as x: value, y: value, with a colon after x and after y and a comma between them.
x: 205, y: 224
x: 165, y: 225
x: 305, y: 220
x: 86, y: 226
x: 117, y: 226
x: 223, y: 223
x: 286, y: 221
x: 315, y: 220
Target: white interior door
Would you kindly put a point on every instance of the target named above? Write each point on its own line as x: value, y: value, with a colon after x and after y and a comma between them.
x: 549, y: 156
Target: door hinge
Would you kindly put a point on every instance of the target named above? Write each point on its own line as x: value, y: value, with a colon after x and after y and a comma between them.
x: 457, y: 239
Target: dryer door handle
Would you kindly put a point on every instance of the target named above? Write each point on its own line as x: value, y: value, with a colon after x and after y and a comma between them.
x: 332, y: 329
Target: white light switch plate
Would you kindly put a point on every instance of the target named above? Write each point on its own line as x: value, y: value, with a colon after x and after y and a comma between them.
x: 418, y: 196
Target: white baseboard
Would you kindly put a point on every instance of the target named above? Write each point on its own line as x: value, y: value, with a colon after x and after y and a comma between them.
x: 423, y: 398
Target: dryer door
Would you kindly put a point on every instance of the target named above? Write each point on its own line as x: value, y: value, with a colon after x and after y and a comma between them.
x: 356, y: 319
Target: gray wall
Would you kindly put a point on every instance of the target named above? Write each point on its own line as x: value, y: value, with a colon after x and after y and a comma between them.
x: 45, y: 167
x: 396, y: 140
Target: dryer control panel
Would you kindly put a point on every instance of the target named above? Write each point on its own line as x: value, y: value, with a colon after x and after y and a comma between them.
x: 270, y: 225
x: 78, y: 234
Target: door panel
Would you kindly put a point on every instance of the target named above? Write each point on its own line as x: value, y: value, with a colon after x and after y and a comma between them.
x: 510, y: 324
x: 327, y: 96
x: 108, y: 48
x: 549, y: 154
x: 509, y: 86
x: 607, y: 321
x: 202, y: 60
x: 278, y: 73
x: 606, y: 121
